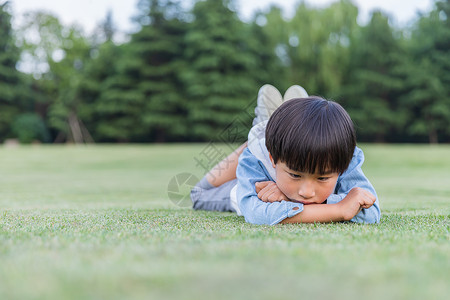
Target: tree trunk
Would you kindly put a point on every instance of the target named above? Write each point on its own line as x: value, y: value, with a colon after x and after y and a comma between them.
x: 79, y: 132
x: 432, y: 136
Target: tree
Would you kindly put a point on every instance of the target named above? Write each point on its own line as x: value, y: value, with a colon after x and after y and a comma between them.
x: 268, y: 68
x: 219, y: 82
x: 314, y: 45
x: 427, y: 72
x: 160, y: 46
x: 113, y: 104
x: 99, y: 69
x: 14, y: 89
x: 272, y: 42
x: 59, y: 57
x: 143, y: 101
x: 373, y: 87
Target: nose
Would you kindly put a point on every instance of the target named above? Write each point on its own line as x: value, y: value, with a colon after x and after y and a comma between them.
x: 306, y: 189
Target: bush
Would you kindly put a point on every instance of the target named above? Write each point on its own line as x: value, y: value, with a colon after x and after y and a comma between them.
x: 29, y: 127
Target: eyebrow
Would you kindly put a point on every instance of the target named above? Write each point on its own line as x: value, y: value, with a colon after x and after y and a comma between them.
x: 329, y: 172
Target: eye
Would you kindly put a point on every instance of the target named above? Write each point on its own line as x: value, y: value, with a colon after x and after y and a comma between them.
x: 323, y: 178
x: 295, y: 175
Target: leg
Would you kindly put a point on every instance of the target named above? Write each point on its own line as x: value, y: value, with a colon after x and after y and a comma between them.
x: 225, y: 170
x: 213, y: 191
x: 204, y: 196
x: 269, y: 99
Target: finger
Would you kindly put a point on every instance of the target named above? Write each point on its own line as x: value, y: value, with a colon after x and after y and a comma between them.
x: 268, y: 187
x: 367, y: 205
x: 369, y: 199
x: 277, y: 196
x: 272, y: 188
x: 263, y: 194
x: 369, y: 196
x: 260, y: 195
x: 269, y: 193
x: 257, y: 189
x: 262, y: 183
x: 272, y: 197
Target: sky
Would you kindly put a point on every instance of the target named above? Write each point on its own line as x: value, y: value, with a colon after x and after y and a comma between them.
x: 89, y: 13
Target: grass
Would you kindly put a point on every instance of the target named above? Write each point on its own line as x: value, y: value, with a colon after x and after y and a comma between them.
x: 96, y: 223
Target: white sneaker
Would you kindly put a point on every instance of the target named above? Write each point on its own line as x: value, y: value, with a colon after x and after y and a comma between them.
x: 295, y: 91
x: 269, y: 99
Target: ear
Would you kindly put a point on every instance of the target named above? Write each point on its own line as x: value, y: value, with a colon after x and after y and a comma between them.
x: 271, y: 160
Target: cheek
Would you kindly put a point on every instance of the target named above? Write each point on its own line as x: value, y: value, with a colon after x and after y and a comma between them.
x: 284, y: 186
x: 327, y: 190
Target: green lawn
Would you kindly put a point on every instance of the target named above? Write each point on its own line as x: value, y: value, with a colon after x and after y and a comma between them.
x: 96, y: 223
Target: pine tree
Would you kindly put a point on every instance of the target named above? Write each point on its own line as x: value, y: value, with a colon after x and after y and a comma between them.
x: 11, y: 85
x: 143, y: 101
x: 219, y: 83
x: 160, y: 46
x: 372, y: 90
x: 99, y: 69
x: 119, y: 105
x: 427, y: 72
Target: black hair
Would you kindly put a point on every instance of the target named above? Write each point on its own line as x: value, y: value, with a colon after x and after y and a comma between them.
x: 311, y: 135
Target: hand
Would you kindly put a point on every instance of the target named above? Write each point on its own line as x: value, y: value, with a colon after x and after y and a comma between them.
x: 357, y: 199
x: 268, y: 191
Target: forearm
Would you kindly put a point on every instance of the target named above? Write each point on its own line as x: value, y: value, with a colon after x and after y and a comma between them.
x: 368, y: 215
x: 320, y: 213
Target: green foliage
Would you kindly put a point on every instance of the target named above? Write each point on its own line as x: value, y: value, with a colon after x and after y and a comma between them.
x: 427, y: 70
x: 193, y: 75
x: 95, y: 82
x: 218, y: 81
x: 159, y: 45
x: 13, y: 88
x: 60, y: 57
x: 30, y: 127
x: 373, y: 87
x: 313, y: 45
x: 142, y: 98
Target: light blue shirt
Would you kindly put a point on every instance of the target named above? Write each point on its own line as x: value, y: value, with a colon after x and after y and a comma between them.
x: 251, y: 170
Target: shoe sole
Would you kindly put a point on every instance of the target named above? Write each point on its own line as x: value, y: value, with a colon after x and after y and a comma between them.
x: 295, y: 91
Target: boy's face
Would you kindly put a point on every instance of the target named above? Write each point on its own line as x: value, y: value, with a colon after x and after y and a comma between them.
x: 304, y: 187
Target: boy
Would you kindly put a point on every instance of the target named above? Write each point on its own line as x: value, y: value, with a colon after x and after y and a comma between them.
x: 300, y: 166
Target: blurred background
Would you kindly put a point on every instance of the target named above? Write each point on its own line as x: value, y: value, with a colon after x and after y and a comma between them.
x: 187, y: 71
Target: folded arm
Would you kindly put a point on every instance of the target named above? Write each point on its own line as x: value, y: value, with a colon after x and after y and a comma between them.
x: 250, y: 171
x: 344, y: 210
x: 355, y: 199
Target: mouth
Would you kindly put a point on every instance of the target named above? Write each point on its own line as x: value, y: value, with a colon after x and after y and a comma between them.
x: 300, y: 201
x: 305, y: 203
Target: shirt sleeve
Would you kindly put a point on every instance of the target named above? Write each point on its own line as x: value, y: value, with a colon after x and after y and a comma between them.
x: 249, y: 171
x: 354, y: 177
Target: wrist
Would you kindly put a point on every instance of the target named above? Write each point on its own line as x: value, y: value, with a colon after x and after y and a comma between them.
x: 343, y: 212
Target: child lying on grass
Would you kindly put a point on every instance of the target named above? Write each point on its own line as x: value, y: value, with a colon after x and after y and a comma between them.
x: 299, y: 166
